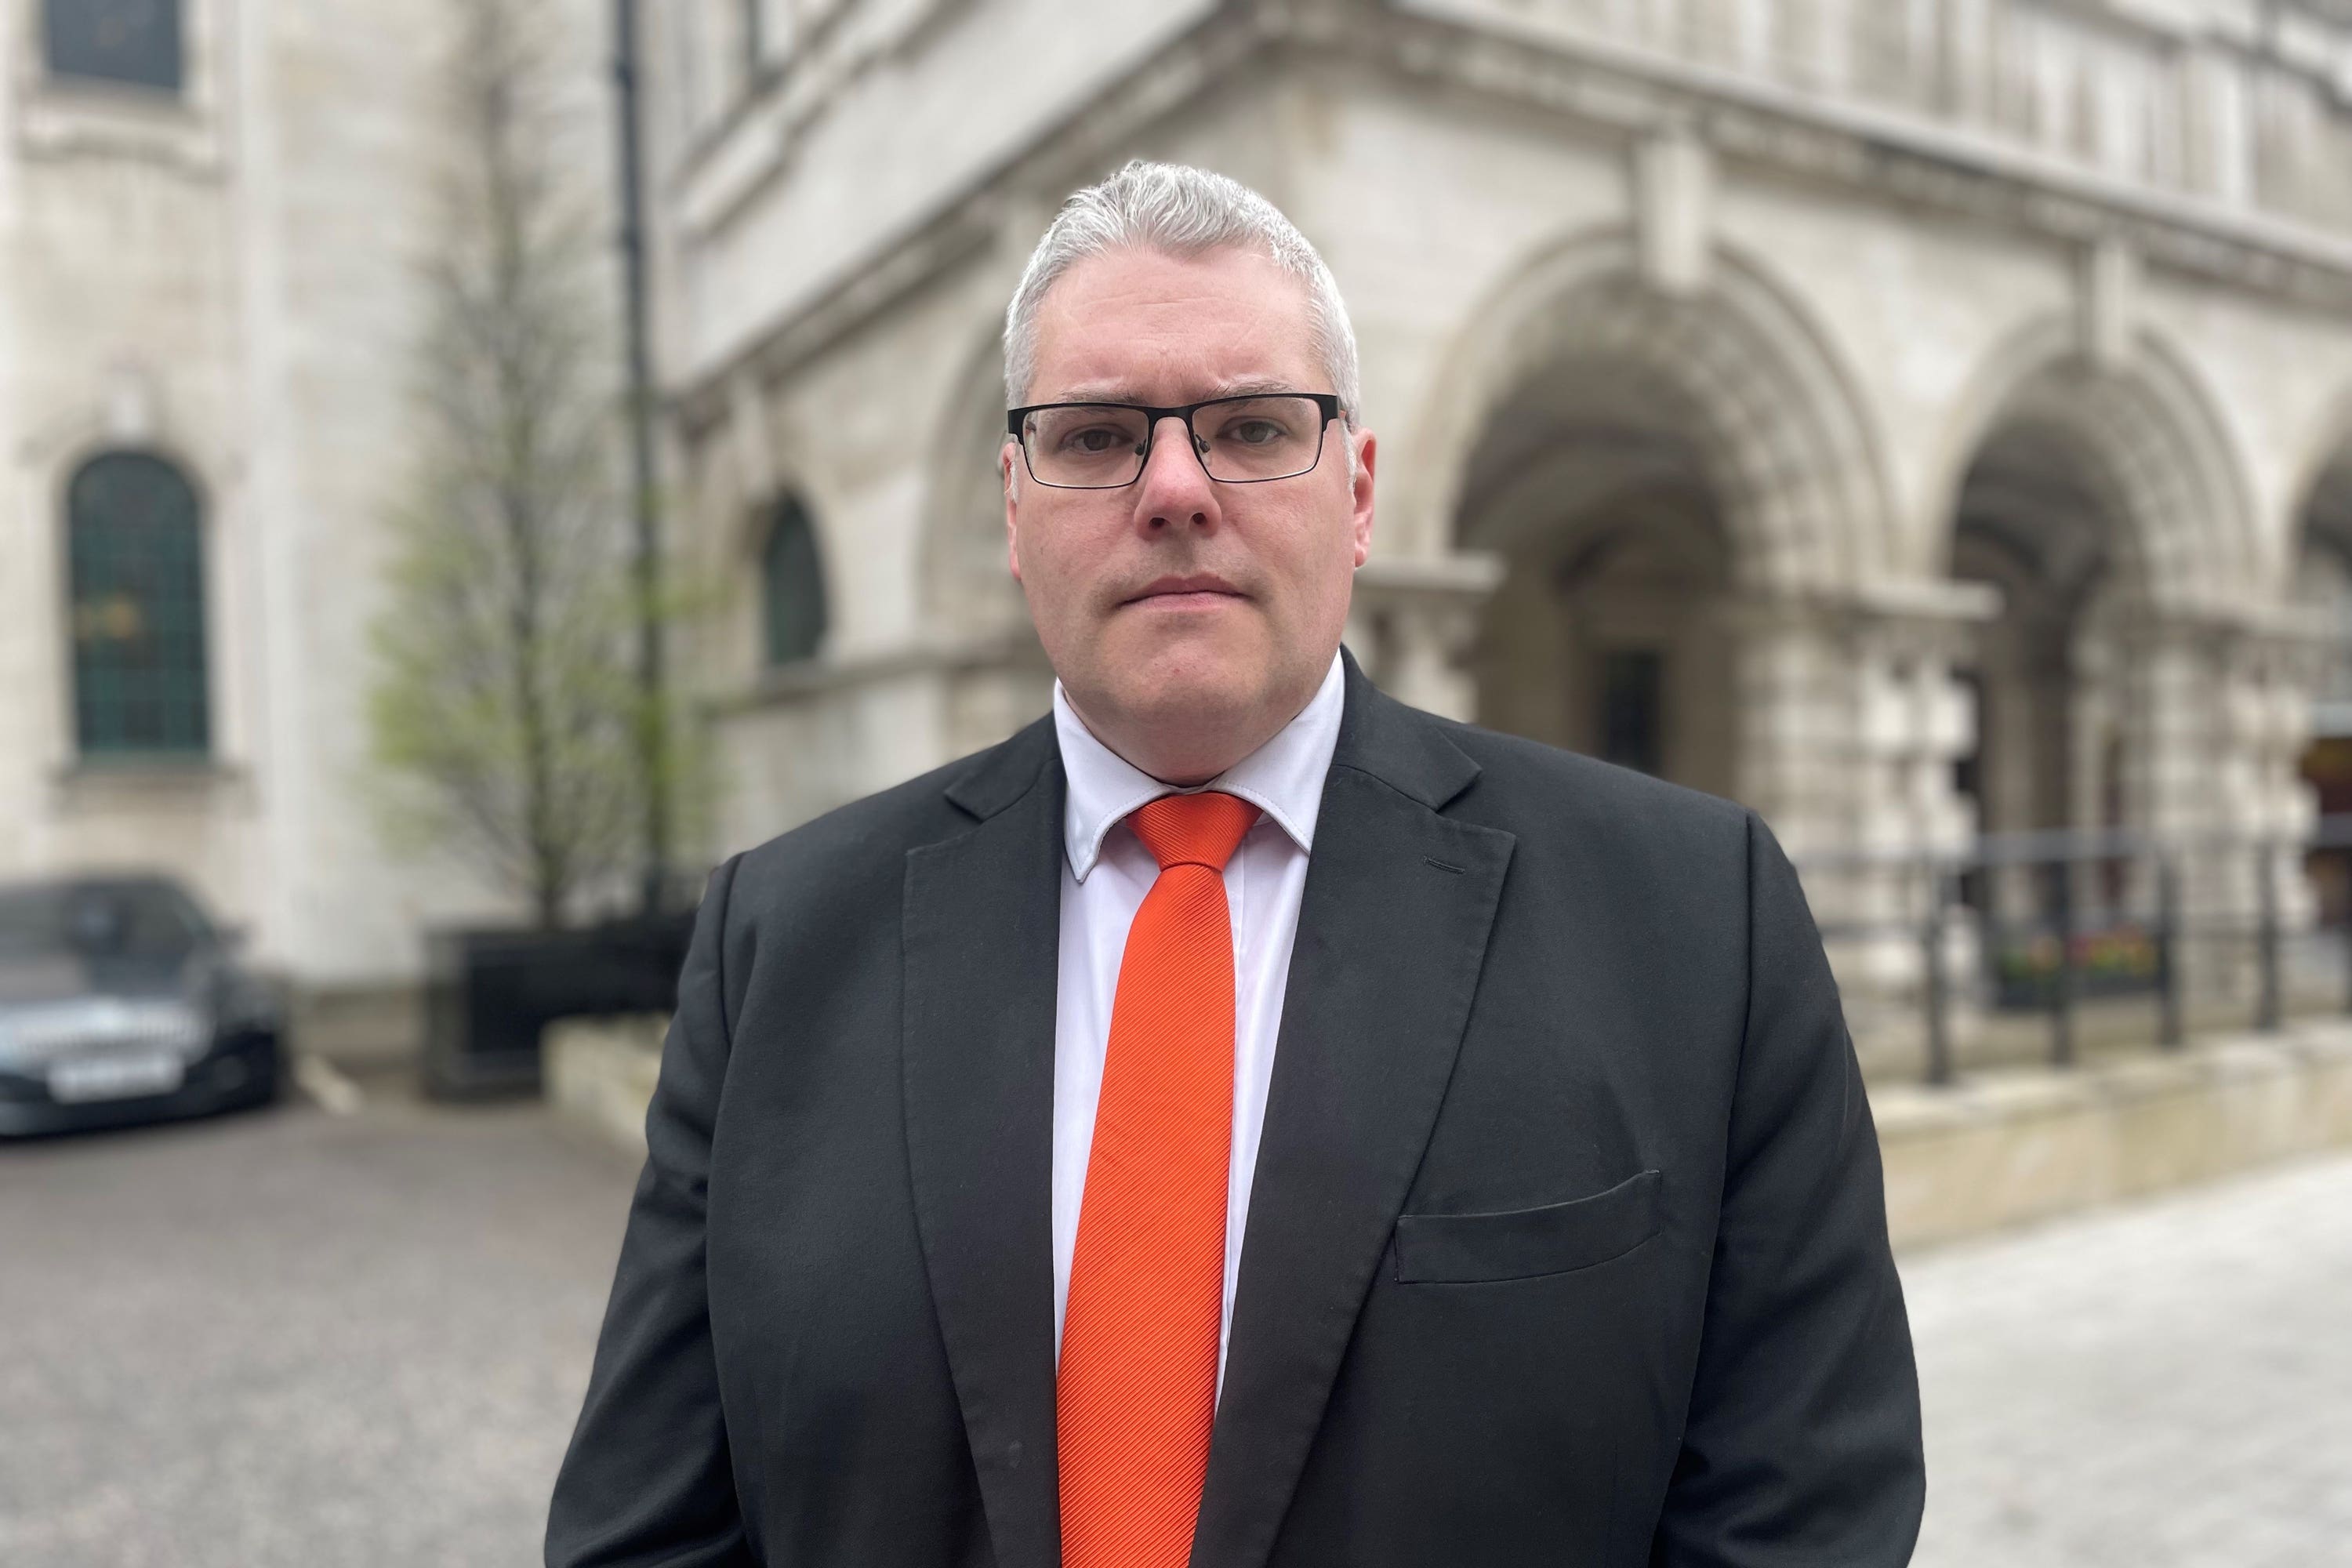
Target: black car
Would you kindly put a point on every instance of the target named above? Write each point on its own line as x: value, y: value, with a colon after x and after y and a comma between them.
x: 120, y: 1002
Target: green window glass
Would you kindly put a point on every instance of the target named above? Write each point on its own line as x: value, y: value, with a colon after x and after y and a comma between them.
x: 791, y: 586
x: 135, y: 550
x: 135, y: 42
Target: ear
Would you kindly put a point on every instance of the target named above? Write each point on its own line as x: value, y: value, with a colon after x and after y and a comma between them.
x: 1008, y: 469
x: 1360, y: 512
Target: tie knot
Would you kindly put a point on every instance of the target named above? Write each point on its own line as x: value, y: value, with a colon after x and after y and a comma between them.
x: 1201, y: 829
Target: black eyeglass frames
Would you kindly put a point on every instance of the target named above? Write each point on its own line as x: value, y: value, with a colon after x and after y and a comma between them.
x: 1245, y: 439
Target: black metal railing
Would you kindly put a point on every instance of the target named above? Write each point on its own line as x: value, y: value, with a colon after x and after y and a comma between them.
x: 2065, y: 918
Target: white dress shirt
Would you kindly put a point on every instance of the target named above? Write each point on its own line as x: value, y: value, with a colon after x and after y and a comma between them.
x: 1105, y: 874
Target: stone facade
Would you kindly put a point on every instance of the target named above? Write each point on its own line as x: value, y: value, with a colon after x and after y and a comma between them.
x: 225, y: 276
x: 1910, y: 418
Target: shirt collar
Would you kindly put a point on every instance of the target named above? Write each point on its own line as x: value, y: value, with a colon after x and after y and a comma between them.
x: 1283, y: 778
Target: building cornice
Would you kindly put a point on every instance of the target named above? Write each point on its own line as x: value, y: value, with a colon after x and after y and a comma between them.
x: 1907, y: 158
x: 1208, y: 57
x: 1619, y: 91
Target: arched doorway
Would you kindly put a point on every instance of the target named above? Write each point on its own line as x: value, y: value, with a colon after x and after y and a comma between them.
x: 1607, y: 634
x: 2040, y: 520
x: 1686, y: 497
x: 2098, y: 503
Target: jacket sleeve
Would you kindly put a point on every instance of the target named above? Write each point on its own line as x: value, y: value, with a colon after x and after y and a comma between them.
x: 647, y: 1483
x: 1802, y: 1443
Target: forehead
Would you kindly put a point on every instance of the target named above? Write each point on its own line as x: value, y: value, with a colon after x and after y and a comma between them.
x: 1145, y: 326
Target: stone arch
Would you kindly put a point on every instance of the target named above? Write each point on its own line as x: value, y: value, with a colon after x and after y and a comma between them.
x: 2149, y: 430
x: 1685, y: 494
x: 2103, y: 500
x: 966, y: 592
x: 129, y: 409
x: 744, y: 475
x: 1775, y: 416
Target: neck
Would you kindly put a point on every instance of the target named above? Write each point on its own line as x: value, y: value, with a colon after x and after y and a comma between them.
x: 1183, y: 754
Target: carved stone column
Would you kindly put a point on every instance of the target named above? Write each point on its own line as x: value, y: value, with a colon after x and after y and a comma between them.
x: 1793, y: 702
x: 2268, y: 673
x: 2226, y: 710
x: 1851, y: 722
x: 1412, y: 622
x: 1915, y: 722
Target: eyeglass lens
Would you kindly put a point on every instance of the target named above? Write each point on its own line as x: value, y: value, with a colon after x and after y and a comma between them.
x: 1102, y: 445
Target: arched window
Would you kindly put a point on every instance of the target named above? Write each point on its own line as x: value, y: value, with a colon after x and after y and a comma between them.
x: 792, y: 583
x: 133, y: 42
x: 135, y: 550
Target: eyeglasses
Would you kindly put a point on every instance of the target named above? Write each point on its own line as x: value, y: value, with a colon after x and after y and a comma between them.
x: 1242, y: 440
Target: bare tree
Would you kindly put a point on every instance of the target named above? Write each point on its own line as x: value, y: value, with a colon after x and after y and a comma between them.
x: 505, y: 714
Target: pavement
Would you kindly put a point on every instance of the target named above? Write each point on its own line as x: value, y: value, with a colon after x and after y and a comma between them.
x: 305, y: 1339
x: 296, y: 1339
x: 2163, y: 1386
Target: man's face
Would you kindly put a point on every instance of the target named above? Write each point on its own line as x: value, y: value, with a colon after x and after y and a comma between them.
x: 1180, y: 611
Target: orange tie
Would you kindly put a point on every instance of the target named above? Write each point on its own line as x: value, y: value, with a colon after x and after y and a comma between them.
x: 1138, y: 1387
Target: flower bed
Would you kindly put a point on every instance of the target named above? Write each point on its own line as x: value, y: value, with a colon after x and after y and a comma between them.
x: 2115, y: 961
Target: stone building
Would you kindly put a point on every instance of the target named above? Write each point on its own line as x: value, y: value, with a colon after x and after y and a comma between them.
x: 1911, y: 417
x: 212, y: 214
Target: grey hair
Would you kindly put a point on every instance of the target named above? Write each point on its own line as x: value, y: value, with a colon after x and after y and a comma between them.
x: 1179, y: 210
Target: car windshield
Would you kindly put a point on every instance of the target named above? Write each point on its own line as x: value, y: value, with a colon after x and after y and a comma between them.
x: 121, y: 919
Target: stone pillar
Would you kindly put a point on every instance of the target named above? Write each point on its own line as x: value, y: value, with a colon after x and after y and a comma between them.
x: 1793, y: 699
x: 1850, y: 725
x: 2224, y: 708
x: 2268, y: 675
x: 2173, y: 785
x: 1914, y: 722
x: 1412, y: 622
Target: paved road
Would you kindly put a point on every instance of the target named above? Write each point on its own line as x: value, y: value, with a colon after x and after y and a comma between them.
x: 296, y: 1340
x: 299, y: 1341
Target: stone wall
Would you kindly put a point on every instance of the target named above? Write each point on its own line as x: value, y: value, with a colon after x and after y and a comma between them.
x: 1770, y: 282
x: 230, y: 278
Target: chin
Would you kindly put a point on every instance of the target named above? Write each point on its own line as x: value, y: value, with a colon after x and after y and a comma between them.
x: 1193, y: 686
x: 1200, y: 694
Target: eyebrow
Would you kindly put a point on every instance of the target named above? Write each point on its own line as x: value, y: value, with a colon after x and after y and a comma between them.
x: 1117, y: 392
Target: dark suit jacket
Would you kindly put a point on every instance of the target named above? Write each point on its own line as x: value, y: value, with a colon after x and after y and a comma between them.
x: 1567, y: 1244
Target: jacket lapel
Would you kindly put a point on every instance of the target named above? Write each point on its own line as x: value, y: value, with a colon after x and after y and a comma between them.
x: 1393, y: 930
x: 981, y: 927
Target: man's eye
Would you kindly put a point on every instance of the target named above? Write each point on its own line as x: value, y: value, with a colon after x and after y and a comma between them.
x: 1254, y: 432
x: 1094, y: 439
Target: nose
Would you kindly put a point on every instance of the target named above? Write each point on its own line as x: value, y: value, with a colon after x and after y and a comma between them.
x: 1175, y: 491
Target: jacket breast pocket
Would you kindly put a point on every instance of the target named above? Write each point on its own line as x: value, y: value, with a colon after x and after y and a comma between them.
x: 1523, y: 1244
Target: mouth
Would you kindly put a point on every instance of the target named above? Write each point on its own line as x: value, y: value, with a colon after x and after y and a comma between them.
x: 1200, y: 591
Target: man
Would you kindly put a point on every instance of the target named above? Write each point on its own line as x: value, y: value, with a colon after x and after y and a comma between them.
x: 1240, y: 1119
